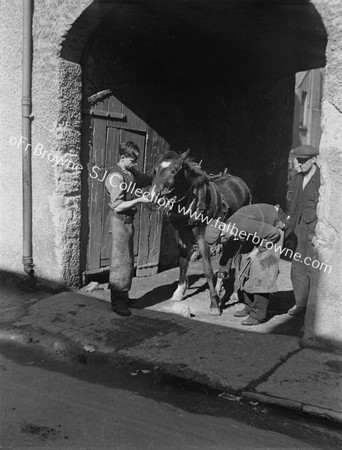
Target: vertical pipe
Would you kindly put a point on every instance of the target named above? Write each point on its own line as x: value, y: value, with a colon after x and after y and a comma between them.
x: 26, y: 109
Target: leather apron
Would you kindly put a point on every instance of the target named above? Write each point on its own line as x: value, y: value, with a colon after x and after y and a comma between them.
x: 260, y: 275
x: 119, y: 232
x: 121, y: 253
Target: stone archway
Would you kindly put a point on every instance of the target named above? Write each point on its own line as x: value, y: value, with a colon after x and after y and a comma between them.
x: 221, y: 95
x: 323, y: 320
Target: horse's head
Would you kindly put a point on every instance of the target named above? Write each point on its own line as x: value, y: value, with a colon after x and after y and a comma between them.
x: 168, y: 173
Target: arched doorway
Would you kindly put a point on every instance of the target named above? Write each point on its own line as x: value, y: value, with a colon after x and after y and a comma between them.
x: 194, y: 78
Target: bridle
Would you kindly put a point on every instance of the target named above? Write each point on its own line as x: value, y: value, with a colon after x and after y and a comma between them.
x: 187, y: 193
x: 170, y: 190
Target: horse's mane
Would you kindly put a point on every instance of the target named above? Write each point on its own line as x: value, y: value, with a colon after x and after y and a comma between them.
x: 197, y: 175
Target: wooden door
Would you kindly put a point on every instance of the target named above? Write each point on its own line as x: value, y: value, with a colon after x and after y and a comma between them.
x: 112, y: 123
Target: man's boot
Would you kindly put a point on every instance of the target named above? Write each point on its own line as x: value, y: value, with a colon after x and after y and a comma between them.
x: 119, y: 301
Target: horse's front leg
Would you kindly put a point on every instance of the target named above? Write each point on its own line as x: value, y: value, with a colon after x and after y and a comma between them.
x: 229, y: 251
x: 214, y: 309
x: 179, y: 293
x: 235, y: 296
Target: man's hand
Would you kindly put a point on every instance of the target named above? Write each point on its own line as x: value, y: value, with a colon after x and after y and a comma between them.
x: 123, y: 206
x: 145, y: 198
x: 280, y: 225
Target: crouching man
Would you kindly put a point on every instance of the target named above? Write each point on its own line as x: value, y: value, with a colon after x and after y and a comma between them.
x: 257, y: 229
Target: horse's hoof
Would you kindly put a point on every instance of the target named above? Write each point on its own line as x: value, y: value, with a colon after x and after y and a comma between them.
x: 178, y: 294
x: 215, y: 311
x: 176, y: 299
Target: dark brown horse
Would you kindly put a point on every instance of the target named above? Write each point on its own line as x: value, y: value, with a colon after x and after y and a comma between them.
x: 197, y: 199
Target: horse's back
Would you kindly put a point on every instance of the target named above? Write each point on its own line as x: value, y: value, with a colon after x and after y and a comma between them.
x: 235, y: 191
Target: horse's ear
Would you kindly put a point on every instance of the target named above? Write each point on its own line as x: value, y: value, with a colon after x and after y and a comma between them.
x: 184, y: 155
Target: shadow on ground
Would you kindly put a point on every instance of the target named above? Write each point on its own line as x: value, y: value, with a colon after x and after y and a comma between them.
x: 164, y: 292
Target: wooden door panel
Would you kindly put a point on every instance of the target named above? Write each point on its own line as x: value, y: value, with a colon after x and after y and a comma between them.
x: 108, y: 133
x: 115, y: 106
x: 150, y: 237
x: 97, y: 188
x: 97, y: 192
x: 116, y: 135
x: 139, y: 139
x: 111, y: 156
x: 112, y: 146
x: 133, y: 121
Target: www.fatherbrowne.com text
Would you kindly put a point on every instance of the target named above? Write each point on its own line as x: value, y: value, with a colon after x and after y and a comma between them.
x: 168, y: 204
x: 230, y: 229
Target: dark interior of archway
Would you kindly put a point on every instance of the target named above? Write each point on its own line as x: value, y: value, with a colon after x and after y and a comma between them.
x: 215, y: 76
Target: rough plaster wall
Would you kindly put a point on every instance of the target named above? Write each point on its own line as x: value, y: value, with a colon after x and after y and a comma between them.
x: 323, y: 325
x: 57, y: 127
x: 10, y: 126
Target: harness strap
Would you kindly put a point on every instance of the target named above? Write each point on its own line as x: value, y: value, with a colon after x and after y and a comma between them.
x: 215, y: 199
x: 218, y: 199
x: 224, y: 208
x: 209, y: 201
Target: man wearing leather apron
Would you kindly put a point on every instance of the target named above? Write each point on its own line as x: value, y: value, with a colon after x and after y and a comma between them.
x: 257, y: 228
x: 119, y: 223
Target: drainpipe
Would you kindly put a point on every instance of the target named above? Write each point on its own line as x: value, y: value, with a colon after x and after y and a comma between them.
x: 26, y: 109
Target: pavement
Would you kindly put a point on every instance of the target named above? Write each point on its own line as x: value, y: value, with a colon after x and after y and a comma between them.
x: 263, y: 363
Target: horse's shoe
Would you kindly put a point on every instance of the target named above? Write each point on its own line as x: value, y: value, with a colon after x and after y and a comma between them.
x: 234, y: 297
x: 219, y: 288
x: 222, y: 274
x: 222, y: 294
x: 195, y: 256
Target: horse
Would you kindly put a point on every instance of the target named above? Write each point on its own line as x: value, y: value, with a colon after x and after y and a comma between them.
x: 195, y: 199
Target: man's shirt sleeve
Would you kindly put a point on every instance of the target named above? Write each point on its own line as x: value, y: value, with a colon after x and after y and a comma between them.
x: 268, y: 233
x: 112, y: 184
x: 262, y: 232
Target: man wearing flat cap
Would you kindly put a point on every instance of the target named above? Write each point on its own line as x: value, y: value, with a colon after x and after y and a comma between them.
x: 302, y: 222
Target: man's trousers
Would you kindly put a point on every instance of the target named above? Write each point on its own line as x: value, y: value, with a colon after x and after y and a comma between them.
x: 256, y: 305
x: 301, y: 270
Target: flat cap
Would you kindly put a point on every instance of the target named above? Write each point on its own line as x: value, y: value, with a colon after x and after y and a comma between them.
x: 305, y: 151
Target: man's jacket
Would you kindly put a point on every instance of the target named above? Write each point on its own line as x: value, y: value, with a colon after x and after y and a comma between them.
x: 259, y: 220
x: 303, y: 206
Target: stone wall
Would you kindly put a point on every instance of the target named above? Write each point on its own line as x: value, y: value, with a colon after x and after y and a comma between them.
x: 55, y: 129
x: 323, y: 324
x: 223, y: 125
x: 10, y: 126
